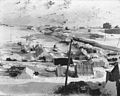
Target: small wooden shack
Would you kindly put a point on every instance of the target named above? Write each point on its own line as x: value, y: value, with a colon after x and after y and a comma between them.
x: 62, y: 61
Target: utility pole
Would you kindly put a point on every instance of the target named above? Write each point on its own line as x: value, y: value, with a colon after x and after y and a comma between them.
x: 69, y: 57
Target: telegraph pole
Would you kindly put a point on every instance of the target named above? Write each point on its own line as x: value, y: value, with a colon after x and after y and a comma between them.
x: 69, y: 57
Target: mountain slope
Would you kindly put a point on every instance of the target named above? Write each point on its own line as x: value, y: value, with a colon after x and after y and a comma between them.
x: 60, y: 12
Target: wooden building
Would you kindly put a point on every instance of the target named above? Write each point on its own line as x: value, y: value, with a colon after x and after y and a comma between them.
x: 84, y: 68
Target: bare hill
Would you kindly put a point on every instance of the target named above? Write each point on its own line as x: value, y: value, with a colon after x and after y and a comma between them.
x: 60, y: 12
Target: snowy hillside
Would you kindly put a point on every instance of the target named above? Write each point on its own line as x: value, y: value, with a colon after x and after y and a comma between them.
x: 60, y: 12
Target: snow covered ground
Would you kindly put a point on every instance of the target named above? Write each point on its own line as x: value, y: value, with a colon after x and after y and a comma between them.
x: 14, y: 34
x: 109, y: 39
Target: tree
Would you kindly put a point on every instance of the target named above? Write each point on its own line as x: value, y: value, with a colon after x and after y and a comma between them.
x: 107, y: 25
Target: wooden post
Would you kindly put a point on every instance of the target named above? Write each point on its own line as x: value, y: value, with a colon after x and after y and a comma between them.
x: 69, y: 57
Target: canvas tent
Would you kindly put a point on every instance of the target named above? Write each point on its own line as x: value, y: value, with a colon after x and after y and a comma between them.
x: 38, y: 50
x: 114, y: 75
